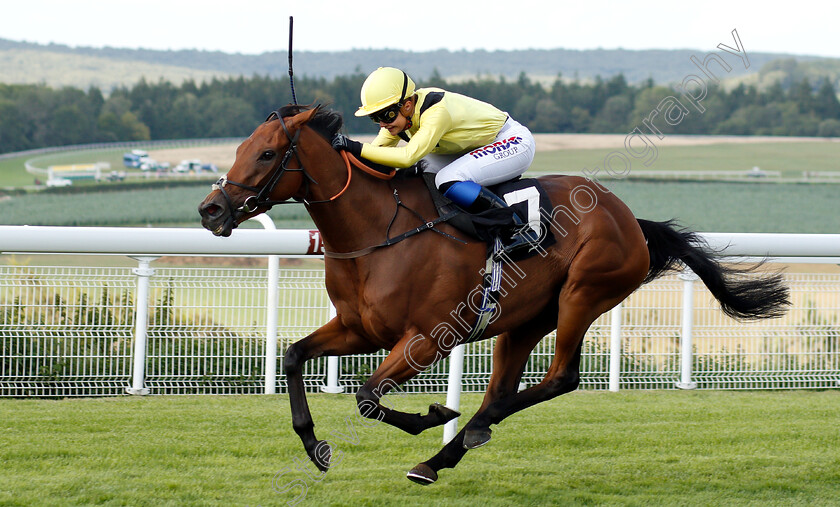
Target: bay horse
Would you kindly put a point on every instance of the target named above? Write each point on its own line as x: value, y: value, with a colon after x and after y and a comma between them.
x: 410, y: 296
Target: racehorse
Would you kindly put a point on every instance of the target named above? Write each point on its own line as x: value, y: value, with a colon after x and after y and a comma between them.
x: 413, y: 297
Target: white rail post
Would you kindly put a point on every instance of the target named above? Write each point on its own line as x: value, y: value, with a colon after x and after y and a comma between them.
x: 271, y: 297
x: 332, y: 368
x: 686, y: 346
x: 615, y: 347
x: 141, y: 321
x: 453, y: 390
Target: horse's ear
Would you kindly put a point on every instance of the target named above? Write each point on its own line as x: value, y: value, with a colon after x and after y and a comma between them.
x: 301, y: 119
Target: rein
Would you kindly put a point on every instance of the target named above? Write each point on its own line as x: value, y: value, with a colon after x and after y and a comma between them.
x: 392, y: 241
x: 349, y: 159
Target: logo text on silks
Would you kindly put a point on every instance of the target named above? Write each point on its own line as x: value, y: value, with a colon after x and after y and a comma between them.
x: 499, y: 149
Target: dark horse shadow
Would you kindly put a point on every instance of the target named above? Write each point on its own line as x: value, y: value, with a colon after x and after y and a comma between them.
x: 413, y: 298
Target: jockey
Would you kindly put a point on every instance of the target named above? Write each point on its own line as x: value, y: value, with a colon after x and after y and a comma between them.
x: 468, y: 143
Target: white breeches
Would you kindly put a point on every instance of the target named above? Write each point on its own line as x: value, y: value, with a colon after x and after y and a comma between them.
x: 507, y: 157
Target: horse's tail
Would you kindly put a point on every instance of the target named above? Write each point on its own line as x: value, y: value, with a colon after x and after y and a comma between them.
x: 740, y: 297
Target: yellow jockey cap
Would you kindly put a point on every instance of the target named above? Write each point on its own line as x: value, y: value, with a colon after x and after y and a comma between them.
x: 383, y: 87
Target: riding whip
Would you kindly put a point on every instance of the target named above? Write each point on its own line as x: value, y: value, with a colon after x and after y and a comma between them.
x: 291, y: 72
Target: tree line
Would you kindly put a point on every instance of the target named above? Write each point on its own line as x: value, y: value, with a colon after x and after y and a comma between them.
x: 35, y: 116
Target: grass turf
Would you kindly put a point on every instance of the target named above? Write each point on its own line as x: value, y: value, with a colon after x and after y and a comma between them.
x: 628, y: 448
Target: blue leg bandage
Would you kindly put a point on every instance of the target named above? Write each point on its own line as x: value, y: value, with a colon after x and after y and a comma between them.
x: 463, y: 193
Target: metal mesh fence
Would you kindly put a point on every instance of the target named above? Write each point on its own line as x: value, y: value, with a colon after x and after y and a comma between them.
x: 68, y: 331
x: 65, y: 332
x: 799, y: 350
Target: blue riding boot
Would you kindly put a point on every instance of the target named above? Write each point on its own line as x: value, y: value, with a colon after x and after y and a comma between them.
x: 475, y: 198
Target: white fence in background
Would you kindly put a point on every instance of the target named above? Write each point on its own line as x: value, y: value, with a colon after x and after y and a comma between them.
x: 81, y: 331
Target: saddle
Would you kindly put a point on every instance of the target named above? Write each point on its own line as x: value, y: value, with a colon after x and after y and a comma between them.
x: 524, y: 196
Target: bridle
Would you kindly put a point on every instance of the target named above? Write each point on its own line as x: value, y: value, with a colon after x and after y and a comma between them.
x: 261, y: 196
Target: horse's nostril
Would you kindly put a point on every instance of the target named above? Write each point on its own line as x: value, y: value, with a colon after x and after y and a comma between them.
x: 211, y: 210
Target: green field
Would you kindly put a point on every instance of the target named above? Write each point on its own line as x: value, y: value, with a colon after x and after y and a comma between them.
x: 787, y: 157
x: 168, y: 205
x: 735, y: 207
x: 113, y: 156
x: 704, y: 206
x: 13, y: 173
x: 585, y: 448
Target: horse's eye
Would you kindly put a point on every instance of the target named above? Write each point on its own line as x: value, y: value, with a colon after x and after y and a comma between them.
x: 267, y: 155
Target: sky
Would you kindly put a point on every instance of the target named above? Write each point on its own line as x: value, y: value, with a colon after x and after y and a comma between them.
x: 256, y: 26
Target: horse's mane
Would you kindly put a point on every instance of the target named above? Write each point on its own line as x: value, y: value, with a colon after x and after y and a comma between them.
x: 326, y: 121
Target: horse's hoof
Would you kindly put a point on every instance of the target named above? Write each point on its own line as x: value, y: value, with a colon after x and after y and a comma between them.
x: 443, y: 413
x: 422, y: 474
x: 476, y: 438
x: 321, y: 455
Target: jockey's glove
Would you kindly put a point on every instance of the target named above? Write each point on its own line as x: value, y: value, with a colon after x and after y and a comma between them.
x: 411, y: 172
x: 342, y: 143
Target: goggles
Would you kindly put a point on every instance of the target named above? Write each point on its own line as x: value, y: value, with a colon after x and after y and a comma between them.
x: 387, y: 115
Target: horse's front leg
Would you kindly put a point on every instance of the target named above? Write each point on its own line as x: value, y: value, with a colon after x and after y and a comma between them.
x: 332, y: 339
x: 412, y: 355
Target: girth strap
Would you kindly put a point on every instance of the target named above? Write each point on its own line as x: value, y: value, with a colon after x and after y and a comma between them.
x: 491, y: 285
x: 392, y: 241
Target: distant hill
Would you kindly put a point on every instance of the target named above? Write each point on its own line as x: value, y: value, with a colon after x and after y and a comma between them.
x: 56, y: 69
x: 59, y: 65
x: 788, y: 72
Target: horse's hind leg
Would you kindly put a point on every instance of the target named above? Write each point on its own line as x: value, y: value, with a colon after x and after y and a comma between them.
x: 576, y: 314
x: 509, y: 358
x: 606, y: 269
x: 563, y: 374
x: 605, y: 274
x: 406, y: 360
